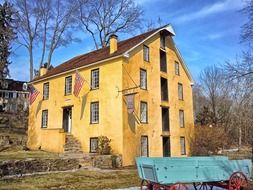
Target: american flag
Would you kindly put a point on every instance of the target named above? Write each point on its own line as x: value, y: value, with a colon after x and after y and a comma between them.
x: 79, y: 80
x: 33, y: 93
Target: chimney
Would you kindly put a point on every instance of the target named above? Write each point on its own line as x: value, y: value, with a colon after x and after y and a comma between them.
x: 113, y: 43
x: 43, y: 70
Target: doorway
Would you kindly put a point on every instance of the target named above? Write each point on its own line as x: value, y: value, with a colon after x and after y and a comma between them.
x: 67, y: 119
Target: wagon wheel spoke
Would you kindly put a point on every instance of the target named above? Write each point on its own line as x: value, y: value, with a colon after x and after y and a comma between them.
x: 238, y: 181
x: 179, y: 186
x: 202, y: 186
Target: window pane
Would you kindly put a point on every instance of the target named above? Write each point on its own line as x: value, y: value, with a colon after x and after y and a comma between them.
x: 68, y: 85
x: 143, y: 79
x: 94, y: 112
x: 182, y: 144
x: 95, y: 79
x: 177, y: 68
x: 180, y: 91
x: 144, y: 146
x: 144, y: 112
x: 93, y: 144
x: 46, y: 91
x: 146, y: 53
x: 44, y: 118
x: 181, y: 118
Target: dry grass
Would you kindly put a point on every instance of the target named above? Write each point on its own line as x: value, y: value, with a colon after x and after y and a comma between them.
x: 82, y: 179
x: 22, y: 155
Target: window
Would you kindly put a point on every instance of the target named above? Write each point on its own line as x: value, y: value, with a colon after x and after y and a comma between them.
x: 146, y: 53
x: 93, y: 144
x: 95, y: 79
x: 177, y: 68
x: 163, y: 61
x: 15, y: 95
x: 143, y: 79
x: 182, y: 145
x: 181, y: 118
x: 10, y: 94
x: 6, y: 95
x: 164, y: 89
x: 144, y: 112
x: 45, y: 91
x: 44, y: 120
x: 165, y: 119
x: 180, y: 91
x: 1, y: 94
x: 162, y: 41
x: 166, y: 147
x: 144, y: 146
x: 68, y: 85
x: 94, y: 111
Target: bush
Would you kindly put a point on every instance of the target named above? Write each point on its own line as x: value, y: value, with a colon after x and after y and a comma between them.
x: 104, y: 147
x: 208, y: 140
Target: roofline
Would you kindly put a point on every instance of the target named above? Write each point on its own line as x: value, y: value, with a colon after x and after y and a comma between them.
x: 184, y: 65
x: 170, y: 29
x: 167, y: 27
x: 71, y: 70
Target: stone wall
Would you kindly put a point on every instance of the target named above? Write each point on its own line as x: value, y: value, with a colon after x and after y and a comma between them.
x: 20, y: 167
x: 14, y: 121
x: 29, y: 166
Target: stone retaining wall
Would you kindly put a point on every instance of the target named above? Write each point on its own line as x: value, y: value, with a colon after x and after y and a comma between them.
x: 29, y: 166
x: 19, y: 167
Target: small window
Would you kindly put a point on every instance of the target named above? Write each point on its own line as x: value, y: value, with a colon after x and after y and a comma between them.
x: 144, y: 112
x: 93, y: 144
x: 182, y: 145
x: 95, y: 79
x: 15, y: 95
x: 164, y: 89
x: 181, y: 118
x: 94, y: 111
x: 146, y: 53
x: 144, y: 146
x: 162, y: 41
x: 143, y: 79
x: 177, y: 72
x: 45, y: 91
x: 180, y: 91
x: 10, y: 94
x: 6, y: 95
x: 44, y: 120
x: 68, y: 85
x: 1, y: 94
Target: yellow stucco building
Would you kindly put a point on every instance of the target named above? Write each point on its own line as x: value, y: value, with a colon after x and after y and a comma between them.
x: 137, y: 92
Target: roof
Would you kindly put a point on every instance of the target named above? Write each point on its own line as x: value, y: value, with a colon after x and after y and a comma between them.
x: 12, y: 85
x: 102, y: 54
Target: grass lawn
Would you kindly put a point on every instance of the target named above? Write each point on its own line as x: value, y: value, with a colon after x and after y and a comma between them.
x: 82, y: 179
x: 22, y: 155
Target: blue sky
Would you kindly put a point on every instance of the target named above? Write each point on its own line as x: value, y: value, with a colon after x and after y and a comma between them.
x: 207, y: 33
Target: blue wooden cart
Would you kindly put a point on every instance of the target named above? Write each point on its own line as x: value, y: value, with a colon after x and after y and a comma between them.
x: 203, y: 172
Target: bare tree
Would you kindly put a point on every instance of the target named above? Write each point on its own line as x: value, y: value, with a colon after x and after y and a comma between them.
x: 101, y: 18
x: 247, y: 28
x: 45, y: 24
x: 216, y: 92
x: 28, y: 27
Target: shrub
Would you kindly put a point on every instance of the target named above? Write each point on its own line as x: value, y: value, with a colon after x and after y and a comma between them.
x: 104, y: 147
x: 208, y: 140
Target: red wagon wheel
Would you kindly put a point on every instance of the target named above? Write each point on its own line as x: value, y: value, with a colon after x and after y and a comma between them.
x: 238, y: 181
x: 179, y: 186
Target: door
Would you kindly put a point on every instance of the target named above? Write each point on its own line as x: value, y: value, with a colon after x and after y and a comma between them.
x: 166, y: 146
x: 144, y: 146
x: 67, y: 119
